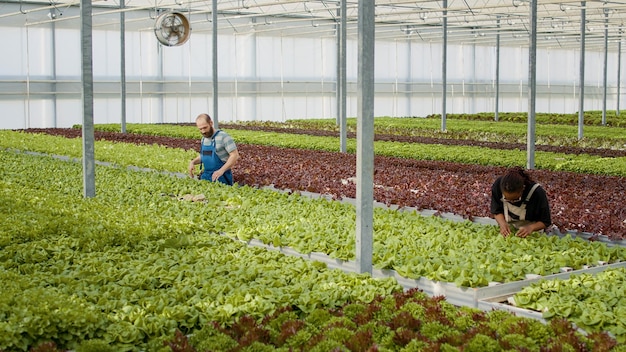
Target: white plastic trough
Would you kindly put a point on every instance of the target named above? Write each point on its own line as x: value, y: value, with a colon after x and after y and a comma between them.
x: 486, y: 298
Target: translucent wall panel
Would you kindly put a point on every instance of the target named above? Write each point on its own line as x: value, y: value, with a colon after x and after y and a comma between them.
x: 41, y: 113
x: 176, y: 60
x: 39, y: 51
x: 106, y: 55
x: 198, y: 57
x: 142, y: 58
x: 69, y: 111
x: 425, y: 62
x: 385, y: 62
x: 268, y: 75
x: 485, y: 64
x: 11, y: 109
x: 14, y: 65
x: 68, y: 56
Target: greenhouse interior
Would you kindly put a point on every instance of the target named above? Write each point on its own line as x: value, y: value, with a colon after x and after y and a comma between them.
x: 328, y: 175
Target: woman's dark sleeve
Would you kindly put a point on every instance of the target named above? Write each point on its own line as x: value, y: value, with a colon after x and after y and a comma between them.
x: 543, y: 207
x: 496, y: 198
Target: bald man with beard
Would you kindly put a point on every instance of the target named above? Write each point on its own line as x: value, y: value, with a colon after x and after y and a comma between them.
x: 218, y: 153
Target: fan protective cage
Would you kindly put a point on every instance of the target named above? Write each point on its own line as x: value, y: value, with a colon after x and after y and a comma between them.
x: 172, y: 28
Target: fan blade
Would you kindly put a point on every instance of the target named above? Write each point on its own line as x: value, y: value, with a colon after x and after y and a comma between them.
x: 178, y: 30
x: 172, y: 22
x: 168, y: 21
x: 173, y: 37
x: 166, y: 32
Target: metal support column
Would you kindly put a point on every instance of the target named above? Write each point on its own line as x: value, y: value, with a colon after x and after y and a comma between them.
x: 581, y: 96
x: 444, y: 66
x: 532, y: 83
x: 619, y: 71
x: 365, y: 139
x: 497, y: 104
x: 53, y: 58
x: 89, y: 183
x: 341, y: 78
x: 123, y: 64
x: 214, y: 48
x: 604, y: 72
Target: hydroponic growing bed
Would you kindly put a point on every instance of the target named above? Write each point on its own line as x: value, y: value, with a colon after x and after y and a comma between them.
x: 421, y: 184
x: 161, y: 240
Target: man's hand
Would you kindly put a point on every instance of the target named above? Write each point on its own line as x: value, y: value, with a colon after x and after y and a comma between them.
x: 216, y: 174
x: 192, y: 169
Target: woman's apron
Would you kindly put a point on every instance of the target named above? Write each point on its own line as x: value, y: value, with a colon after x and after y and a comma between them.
x: 520, y: 211
x: 211, y: 163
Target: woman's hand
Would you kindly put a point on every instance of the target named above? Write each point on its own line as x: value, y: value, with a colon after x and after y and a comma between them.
x: 505, y: 230
x: 530, y: 228
x: 524, y: 231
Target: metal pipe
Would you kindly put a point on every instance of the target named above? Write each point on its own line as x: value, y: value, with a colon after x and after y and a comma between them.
x: 619, y: 69
x: 123, y: 65
x: 89, y: 178
x: 532, y: 89
x: 581, y: 97
x: 444, y: 66
x: 343, y: 126
x: 214, y: 47
x: 365, y: 138
x: 604, y: 72
x: 497, y: 107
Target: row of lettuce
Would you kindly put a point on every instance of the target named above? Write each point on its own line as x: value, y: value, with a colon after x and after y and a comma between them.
x: 130, y: 266
x: 469, y: 254
x: 592, y: 302
x: 471, y: 128
x: 136, y: 262
x: 590, y: 118
x: 407, y: 321
x: 582, y: 163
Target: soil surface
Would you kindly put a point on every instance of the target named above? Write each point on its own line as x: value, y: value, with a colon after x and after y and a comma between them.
x: 579, y: 202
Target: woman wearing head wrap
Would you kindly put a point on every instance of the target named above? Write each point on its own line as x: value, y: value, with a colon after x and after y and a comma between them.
x: 519, y: 202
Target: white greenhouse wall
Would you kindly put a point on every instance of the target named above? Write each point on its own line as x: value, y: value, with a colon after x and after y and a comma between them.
x: 275, y: 78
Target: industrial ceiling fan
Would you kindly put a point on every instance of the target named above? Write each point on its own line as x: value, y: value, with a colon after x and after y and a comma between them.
x: 172, y: 28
